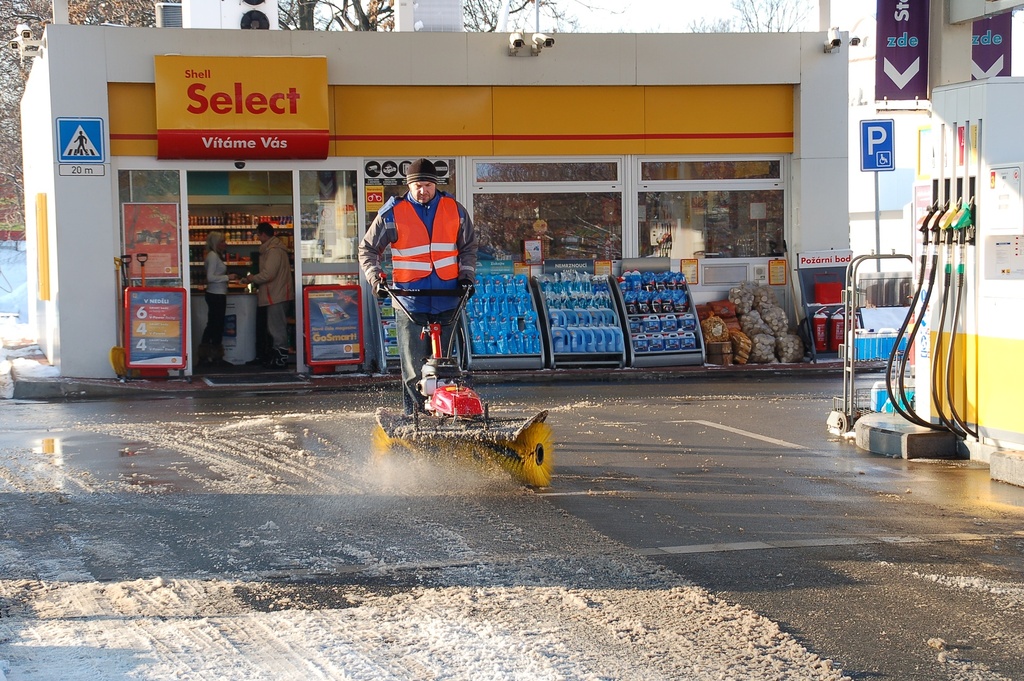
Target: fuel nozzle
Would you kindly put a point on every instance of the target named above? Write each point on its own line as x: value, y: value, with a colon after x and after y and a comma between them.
x: 941, y: 223
x: 926, y: 227
x: 964, y: 221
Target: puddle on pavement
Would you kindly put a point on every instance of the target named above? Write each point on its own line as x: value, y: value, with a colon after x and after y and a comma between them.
x: 112, y: 461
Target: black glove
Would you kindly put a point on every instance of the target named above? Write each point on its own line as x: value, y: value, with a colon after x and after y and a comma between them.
x: 380, y: 287
x: 468, y: 287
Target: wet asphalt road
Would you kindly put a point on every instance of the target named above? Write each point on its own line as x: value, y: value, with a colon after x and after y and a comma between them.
x: 894, y: 569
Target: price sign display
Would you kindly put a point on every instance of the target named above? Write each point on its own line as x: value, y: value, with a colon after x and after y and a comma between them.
x: 155, y: 327
x: 334, y: 325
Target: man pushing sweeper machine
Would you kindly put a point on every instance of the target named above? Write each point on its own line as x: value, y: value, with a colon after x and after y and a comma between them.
x: 433, y: 257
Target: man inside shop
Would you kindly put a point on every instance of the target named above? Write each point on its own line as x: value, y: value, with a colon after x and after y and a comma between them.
x: 433, y: 248
x: 276, y: 291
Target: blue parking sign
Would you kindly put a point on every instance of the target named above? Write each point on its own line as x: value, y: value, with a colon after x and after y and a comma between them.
x: 80, y: 140
x: 877, y: 151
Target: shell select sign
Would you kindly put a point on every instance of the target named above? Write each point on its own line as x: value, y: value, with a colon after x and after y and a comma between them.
x: 241, y: 108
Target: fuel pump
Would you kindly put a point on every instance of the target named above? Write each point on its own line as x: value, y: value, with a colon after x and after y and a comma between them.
x: 965, y: 324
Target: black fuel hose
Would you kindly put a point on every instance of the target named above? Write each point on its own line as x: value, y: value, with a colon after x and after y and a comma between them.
x: 958, y: 418
x: 929, y: 224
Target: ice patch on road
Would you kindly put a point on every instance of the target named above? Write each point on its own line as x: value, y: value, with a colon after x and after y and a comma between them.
x: 1010, y: 594
x: 160, y: 629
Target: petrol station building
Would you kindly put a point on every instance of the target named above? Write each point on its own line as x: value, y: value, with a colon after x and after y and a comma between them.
x: 607, y: 147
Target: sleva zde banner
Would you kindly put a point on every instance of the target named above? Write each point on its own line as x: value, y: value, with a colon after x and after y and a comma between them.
x: 901, y: 50
x: 990, y: 46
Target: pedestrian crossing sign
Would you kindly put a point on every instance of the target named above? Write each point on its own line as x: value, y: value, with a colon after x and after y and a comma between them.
x: 80, y: 140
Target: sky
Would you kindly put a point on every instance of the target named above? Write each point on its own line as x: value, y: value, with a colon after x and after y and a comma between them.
x: 672, y: 16
x: 675, y: 16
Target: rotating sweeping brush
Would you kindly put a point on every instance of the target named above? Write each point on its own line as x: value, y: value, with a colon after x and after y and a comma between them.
x: 456, y: 421
x: 380, y: 442
x: 523, y: 448
x: 533, y: 460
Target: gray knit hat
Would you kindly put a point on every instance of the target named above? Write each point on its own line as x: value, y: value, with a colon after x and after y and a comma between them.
x: 421, y: 170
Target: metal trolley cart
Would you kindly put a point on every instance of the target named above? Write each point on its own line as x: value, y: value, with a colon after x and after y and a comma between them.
x: 854, y: 403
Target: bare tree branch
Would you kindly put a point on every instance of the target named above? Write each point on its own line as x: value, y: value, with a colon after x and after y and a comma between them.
x: 771, y: 16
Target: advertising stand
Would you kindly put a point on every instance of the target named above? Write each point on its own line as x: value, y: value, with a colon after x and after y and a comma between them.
x: 334, y: 326
x: 386, y: 353
x: 583, y: 327
x: 155, y: 328
x: 660, y: 318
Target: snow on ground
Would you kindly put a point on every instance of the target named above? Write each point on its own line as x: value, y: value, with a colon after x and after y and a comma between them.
x: 17, y: 342
x: 13, y: 280
x: 201, y: 629
x: 298, y: 556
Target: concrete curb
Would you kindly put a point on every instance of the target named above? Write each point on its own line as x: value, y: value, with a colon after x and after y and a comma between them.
x: 61, y: 388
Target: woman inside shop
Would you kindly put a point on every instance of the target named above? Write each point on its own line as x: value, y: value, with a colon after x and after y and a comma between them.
x: 211, y: 348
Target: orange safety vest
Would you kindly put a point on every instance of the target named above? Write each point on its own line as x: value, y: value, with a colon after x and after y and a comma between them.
x: 415, y: 253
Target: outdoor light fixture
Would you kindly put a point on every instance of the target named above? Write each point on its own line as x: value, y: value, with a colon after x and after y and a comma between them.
x: 833, y: 41
x: 538, y: 41
x: 515, y: 43
x: 23, y: 42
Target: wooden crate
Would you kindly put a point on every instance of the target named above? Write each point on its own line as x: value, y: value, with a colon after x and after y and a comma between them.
x: 719, y: 353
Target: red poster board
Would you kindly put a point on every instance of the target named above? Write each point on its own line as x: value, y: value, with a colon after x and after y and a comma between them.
x: 334, y: 324
x: 152, y: 228
x: 154, y: 327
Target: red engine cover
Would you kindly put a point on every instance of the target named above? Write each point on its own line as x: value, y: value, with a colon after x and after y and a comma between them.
x: 454, y: 400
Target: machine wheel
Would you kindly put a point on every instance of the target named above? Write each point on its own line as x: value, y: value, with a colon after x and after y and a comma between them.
x: 838, y: 423
x: 533, y: 461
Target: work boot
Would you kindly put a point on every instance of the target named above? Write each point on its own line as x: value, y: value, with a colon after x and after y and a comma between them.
x: 278, y: 359
x: 204, y: 354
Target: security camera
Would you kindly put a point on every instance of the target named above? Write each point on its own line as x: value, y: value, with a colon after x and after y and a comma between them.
x: 855, y: 40
x: 15, y: 45
x: 515, y: 42
x: 24, y: 31
x: 541, y: 40
x: 832, y: 42
x: 239, y: 164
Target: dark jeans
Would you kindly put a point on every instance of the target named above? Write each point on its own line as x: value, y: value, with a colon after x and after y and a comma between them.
x: 413, y: 351
x: 263, y: 344
x: 216, y: 307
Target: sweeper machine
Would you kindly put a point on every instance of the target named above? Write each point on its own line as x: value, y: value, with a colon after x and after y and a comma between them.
x: 456, y: 421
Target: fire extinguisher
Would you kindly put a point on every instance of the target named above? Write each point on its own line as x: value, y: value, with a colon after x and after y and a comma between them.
x: 820, y: 324
x: 837, y: 330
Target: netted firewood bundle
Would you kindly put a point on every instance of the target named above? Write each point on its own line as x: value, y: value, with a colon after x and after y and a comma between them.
x: 714, y: 329
x: 789, y: 348
x: 752, y: 324
x: 762, y: 349
x: 742, y: 297
x: 764, y: 295
x: 741, y: 346
x: 775, y: 317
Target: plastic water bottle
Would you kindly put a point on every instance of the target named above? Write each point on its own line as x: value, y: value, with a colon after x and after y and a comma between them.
x: 560, y: 339
x: 615, y: 339
x: 589, y: 339
x: 577, y: 343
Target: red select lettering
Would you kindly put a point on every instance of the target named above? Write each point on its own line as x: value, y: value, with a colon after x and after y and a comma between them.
x: 280, y: 103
